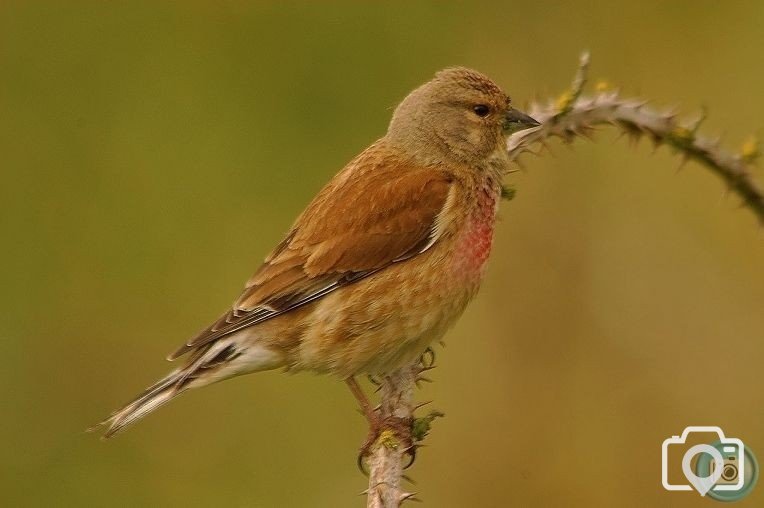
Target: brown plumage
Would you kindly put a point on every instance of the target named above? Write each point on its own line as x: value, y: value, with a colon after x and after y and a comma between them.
x: 381, y: 262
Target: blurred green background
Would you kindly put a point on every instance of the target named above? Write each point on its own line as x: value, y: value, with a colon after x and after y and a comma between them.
x: 153, y: 152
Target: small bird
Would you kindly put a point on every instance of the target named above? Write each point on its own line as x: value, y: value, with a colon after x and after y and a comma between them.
x: 383, y: 260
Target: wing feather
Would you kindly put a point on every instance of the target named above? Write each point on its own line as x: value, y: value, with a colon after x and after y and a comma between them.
x: 377, y: 211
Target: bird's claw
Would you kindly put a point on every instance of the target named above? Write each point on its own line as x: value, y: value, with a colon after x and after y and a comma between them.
x: 427, y: 360
x: 392, y: 432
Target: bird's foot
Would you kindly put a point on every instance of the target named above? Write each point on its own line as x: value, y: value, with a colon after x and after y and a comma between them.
x: 392, y: 432
x: 426, y: 363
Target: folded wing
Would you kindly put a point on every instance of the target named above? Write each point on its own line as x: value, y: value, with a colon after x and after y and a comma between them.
x: 376, y: 212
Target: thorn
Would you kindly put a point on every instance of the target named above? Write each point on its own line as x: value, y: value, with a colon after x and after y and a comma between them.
x: 425, y: 369
x: 408, y: 496
x: 656, y: 141
x: 670, y: 114
x: 422, y: 404
x: 410, y: 448
x: 703, y: 115
x: 536, y: 152
x: 408, y: 479
x: 634, y: 137
x: 548, y: 148
x: 683, y: 162
x: 586, y: 132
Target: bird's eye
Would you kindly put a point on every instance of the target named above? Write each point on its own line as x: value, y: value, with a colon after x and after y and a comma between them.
x: 481, y: 110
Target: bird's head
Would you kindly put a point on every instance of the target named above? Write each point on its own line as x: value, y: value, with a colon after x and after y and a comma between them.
x: 459, y: 114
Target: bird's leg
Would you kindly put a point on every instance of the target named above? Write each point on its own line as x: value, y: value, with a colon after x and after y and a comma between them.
x: 371, y: 415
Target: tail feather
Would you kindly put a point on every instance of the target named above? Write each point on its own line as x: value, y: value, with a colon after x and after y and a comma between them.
x: 213, y: 362
x: 156, y: 395
x: 138, y: 409
x: 162, y: 391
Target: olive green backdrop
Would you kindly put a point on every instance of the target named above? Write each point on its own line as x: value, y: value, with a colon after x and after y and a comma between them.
x: 151, y: 153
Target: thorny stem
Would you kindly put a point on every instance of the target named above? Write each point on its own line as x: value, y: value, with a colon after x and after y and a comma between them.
x: 574, y: 115
x: 387, y: 458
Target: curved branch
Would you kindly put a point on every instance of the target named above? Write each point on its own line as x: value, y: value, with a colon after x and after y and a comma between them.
x: 574, y: 115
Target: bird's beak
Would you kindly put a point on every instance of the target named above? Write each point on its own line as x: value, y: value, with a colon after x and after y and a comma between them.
x: 517, y: 120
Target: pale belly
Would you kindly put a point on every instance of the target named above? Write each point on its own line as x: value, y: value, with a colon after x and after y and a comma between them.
x: 382, y: 323
x: 388, y: 320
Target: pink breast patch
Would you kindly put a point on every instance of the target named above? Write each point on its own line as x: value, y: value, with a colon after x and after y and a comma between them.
x: 474, y: 245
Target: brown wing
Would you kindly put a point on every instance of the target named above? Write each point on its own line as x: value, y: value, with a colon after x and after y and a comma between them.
x: 376, y: 212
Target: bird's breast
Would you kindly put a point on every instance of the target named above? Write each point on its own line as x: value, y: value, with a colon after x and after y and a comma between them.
x: 474, y: 241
